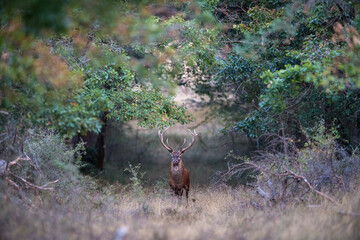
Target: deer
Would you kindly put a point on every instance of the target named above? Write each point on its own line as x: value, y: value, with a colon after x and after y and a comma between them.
x: 179, y: 176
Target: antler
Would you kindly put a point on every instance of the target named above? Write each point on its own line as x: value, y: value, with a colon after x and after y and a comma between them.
x: 194, y: 135
x: 167, y: 143
x: 182, y: 144
x: 161, y: 136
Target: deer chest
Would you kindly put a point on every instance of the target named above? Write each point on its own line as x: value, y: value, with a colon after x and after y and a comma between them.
x: 176, y: 172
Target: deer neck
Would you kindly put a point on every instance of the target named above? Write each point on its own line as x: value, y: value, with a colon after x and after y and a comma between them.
x: 177, y: 171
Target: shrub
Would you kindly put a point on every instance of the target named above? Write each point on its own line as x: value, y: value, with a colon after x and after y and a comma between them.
x: 283, y: 172
x: 46, y: 163
x: 136, y: 179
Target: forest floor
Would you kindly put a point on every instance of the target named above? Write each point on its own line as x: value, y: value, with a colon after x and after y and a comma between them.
x: 211, y: 213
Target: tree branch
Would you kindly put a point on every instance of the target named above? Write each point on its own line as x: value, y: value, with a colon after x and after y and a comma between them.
x: 291, y: 173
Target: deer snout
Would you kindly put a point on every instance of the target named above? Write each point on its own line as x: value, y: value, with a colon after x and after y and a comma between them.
x: 175, y: 161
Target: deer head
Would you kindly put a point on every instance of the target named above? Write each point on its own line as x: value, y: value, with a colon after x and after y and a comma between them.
x: 176, y: 155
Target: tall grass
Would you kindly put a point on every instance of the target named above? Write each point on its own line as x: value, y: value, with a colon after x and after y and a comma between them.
x: 213, y: 214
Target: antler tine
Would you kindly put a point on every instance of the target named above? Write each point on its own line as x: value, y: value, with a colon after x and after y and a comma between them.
x: 167, y: 142
x: 182, y: 144
x: 161, y: 136
x: 194, y: 135
x: 165, y: 130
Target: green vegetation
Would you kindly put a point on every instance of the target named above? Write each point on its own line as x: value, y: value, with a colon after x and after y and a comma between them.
x: 279, y: 80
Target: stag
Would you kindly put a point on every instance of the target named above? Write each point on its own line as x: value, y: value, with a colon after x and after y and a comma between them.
x: 179, y: 175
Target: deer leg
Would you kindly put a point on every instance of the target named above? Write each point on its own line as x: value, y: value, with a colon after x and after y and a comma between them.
x: 172, y: 192
x: 176, y: 192
x: 179, y: 194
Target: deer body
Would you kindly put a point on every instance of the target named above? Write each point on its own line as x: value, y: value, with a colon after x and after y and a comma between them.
x: 179, y: 179
x: 179, y: 175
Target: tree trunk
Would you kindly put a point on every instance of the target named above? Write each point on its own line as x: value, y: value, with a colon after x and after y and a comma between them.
x: 354, y: 131
x: 94, y: 145
x: 233, y: 143
x: 100, y: 145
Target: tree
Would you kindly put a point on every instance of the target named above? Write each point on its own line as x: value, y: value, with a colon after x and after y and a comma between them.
x: 288, y: 65
x: 111, y: 93
x: 71, y: 66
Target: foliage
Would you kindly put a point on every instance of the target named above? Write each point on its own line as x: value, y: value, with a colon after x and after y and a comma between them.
x: 114, y: 92
x: 241, y: 72
x: 290, y: 95
x: 269, y: 43
x: 136, y: 179
x: 259, y: 19
x: 288, y: 65
x: 61, y: 64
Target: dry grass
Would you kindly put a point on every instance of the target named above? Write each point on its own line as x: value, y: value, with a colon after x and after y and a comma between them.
x: 80, y: 208
x: 215, y: 214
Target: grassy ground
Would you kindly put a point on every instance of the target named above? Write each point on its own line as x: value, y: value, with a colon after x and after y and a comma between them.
x: 212, y: 213
x: 82, y: 207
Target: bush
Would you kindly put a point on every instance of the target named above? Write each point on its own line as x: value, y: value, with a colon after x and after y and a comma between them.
x: 283, y: 172
x: 136, y: 179
x: 47, y: 164
x: 54, y: 159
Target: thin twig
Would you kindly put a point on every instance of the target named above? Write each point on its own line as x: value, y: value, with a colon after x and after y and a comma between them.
x: 12, y: 183
x: 3, y: 112
x: 26, y: 158
x: 35, y: 186
x: 239, y: 41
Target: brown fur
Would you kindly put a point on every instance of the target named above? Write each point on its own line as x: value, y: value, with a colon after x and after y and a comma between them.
x: 179, y: 179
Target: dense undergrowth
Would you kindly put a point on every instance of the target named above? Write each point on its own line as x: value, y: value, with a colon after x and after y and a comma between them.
x: 81, y: 207
x: 282, y: 172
